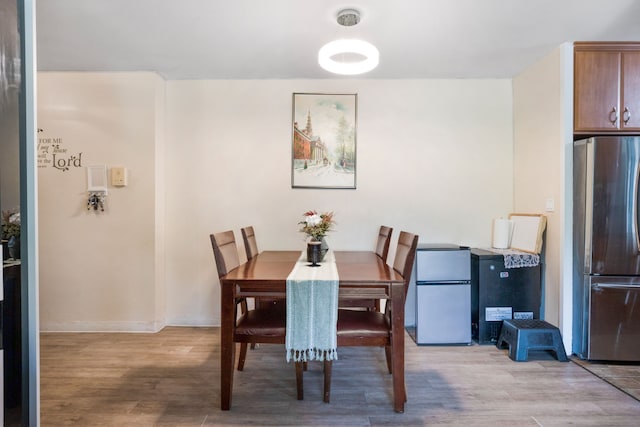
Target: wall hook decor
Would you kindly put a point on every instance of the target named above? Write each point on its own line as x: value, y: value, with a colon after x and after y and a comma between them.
x: 96, y: 187
x: 96, y: 200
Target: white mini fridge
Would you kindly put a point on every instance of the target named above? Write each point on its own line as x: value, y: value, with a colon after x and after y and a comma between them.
x: 443, y: 294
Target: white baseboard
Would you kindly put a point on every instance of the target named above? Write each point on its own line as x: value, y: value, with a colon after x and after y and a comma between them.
x: 194, y: 322
x: 98, y: 326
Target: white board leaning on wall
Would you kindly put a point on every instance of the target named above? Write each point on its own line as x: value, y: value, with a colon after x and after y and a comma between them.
x: 527, y: 232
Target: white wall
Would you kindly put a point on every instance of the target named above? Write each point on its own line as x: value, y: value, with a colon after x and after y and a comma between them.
x: 542, y: 127
x: 98, y: 270
x: 435, y: 157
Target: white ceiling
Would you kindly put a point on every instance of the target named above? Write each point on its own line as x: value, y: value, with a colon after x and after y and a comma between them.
x: 264, y: 39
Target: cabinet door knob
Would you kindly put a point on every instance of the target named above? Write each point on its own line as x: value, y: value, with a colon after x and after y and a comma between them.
x: 626, y: 115
x: 613, y: 116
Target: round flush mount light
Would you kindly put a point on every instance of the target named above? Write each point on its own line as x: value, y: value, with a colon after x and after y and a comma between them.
x: 348, y: 56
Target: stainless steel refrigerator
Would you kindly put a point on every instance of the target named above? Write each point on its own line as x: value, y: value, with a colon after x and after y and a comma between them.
x: 606, y: 249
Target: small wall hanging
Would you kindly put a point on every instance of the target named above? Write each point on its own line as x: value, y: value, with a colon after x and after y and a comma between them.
x: 96, y: 187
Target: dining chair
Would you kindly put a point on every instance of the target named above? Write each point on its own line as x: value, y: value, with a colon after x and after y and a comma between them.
x: 384, y: 240
x: 257, y: 325
x: 373, y: 328
x: 249, y: 239
x: 251, y: 249
x: 382, y: 250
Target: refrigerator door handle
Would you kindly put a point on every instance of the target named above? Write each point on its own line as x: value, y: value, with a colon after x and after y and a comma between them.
x: 635, y: 206
x: 615, y: 286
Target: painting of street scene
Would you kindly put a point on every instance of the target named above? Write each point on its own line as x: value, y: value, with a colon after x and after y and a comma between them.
x: 324, y: 140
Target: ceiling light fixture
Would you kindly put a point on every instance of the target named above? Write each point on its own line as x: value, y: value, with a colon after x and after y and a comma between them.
x: 348, y: 56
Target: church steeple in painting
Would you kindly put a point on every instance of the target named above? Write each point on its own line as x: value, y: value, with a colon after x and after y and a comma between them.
x: 308, y: 130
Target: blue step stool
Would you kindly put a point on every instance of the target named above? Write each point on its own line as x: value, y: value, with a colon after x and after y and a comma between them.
x: 523, y: 335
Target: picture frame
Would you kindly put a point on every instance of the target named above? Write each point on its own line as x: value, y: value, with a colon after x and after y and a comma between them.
x: 323, y: 141
x: 97, y: 178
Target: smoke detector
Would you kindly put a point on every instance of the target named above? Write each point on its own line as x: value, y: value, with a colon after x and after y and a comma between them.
x: 348, y: 17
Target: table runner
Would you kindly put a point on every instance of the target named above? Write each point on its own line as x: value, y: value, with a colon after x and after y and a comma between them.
x: 312, y: 310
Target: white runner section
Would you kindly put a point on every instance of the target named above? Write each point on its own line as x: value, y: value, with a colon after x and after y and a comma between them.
x: 312, y: 310
x: 514, y: 258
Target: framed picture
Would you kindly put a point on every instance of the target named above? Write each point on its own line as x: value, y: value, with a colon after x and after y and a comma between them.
x: 323, y: 146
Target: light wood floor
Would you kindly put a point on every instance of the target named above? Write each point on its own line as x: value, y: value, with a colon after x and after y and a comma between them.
x: 172, y: 379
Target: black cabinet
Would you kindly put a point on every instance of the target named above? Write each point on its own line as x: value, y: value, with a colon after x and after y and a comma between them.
x: 499, y: 293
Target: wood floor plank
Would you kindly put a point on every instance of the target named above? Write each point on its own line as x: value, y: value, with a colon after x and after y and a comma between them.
x: 172, y: 378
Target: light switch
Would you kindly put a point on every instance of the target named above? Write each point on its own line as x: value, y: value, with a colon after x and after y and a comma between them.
x: 118, y: 177
x: 550, y: 205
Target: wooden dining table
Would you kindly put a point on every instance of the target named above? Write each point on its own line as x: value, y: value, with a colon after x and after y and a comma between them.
x: 362, y: 274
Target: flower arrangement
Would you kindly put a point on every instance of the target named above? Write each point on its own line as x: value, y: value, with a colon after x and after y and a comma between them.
x: 10, y: 224
x: 316, y: 225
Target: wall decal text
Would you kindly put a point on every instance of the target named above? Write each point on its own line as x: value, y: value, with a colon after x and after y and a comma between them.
x: 52, y: 153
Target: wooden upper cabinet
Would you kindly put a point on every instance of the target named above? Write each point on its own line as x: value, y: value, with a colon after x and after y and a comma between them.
x: 606, y: 88
x: 630, y: 100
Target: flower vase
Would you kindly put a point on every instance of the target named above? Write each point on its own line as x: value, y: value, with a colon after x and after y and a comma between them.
x: 324, y: 248
x: 312, y: 246
x: 313, y: 253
